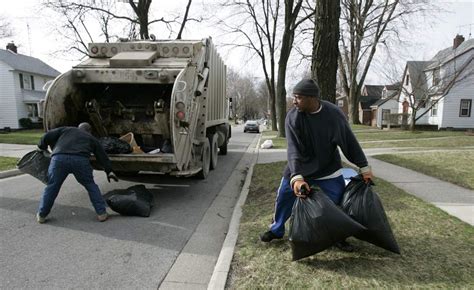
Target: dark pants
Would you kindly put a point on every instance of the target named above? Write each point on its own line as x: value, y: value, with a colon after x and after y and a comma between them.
x: 61, y: 166
x: 333, y: 188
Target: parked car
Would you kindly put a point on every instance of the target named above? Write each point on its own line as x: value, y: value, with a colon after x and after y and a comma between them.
x: 251, y: 126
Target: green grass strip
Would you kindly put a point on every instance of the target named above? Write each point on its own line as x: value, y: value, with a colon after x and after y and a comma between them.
x: 29, y: 137
x: 7, y: 163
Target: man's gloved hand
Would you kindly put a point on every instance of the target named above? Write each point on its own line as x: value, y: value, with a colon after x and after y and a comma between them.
x: 301, y: 188
x: 112, y: 175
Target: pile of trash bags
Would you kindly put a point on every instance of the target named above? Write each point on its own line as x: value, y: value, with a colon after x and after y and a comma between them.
x: 133, y: 201
x: 36, y: 164
x: 114, y: 145
x: 317, y: 223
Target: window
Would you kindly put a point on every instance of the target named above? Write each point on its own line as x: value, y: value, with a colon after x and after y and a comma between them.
x: 385, y: 114
x: 340, y: 103
x: 436, y: 77
x: 32, y: 82
x: 32, y: 111
x: 21, y: 81
x: 27, y: 82
x: 407, y: 80
x: 434, y: 110
x: 465, y: 108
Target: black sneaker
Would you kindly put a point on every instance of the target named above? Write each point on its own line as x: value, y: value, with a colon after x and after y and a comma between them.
x: 344, y: 246
x: 268, y: 237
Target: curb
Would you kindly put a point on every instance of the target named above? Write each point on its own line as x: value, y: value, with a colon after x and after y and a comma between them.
x: 10, y: 173
x: 221, y: 270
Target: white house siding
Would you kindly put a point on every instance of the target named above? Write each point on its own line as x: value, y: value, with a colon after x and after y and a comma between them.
x: 391, y: 105
x: 461, y: 90
x: 8, y: 112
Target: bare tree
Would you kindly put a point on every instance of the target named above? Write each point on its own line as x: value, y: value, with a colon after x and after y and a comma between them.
x: 256, y: 23
x: 80, y: 24
x: 292, y: 21
x: 364, y: 25
x: 5, y: 28
x: 326, y: 47
x: 247, y: 100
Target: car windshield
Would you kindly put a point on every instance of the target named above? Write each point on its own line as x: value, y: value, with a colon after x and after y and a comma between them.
x: 251, y: 123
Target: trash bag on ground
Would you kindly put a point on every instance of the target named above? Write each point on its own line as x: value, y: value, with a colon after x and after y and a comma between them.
x: 113, y: 145
x: 316, y: 224
x: 267, y: 144
x: 133, y: 201
x: 364, y: 205
x: 36, y: 164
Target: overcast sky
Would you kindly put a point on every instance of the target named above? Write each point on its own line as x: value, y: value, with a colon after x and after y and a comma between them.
x: 34, y: 34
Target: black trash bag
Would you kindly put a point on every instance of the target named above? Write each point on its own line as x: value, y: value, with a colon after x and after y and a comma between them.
x: 36, y: 164
x: 316, y: 224
x: 364, y: 205
x: 113, y: 145
x: 133, y: 201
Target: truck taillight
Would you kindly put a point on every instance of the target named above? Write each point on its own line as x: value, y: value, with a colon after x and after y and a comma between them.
x: 180, y: 115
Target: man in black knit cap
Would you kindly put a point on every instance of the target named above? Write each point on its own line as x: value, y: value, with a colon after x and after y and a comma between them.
x: 314, y: 130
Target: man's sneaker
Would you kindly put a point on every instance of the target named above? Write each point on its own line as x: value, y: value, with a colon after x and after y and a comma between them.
x: 40, y: 219
x: 344, y: 246
x: 268, y: 237
x: 102, y: 217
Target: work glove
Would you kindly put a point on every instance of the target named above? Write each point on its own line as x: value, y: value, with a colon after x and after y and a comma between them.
x: 301, y: 188
x: 367, y: 174
x: 112, y: 175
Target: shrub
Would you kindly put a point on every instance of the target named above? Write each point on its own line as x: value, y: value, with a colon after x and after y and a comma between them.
x: 26, y: 123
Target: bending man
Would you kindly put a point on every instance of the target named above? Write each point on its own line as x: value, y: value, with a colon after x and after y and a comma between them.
x: 71, y: 150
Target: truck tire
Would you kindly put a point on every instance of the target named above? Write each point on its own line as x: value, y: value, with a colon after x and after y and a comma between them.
x: 214, y: 150
x: 223, y: 149
x: 206, y: 160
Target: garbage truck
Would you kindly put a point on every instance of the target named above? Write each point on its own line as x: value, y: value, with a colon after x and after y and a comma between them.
x: 167, y: 96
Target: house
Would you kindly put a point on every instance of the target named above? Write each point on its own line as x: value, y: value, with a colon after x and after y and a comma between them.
x: 22, y: 79
x: 369, y: 95
x: 385, y: 106
x: 441, y: 90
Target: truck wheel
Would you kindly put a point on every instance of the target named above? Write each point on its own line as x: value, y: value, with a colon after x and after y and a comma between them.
x: 206, y: 160
x: 223, y: 148
x: 214, y: 150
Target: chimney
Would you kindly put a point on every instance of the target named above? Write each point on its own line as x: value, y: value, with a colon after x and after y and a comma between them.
x: 457, y: 41
x: 12, y: 47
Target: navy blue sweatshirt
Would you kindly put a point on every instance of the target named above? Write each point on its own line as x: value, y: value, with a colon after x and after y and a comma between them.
x: 313, y: 140
x: 74, y: 141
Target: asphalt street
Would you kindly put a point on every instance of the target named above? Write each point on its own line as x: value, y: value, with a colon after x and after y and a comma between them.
x: 73, y: 250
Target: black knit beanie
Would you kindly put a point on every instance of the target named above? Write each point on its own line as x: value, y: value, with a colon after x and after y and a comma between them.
x: 307, y: 87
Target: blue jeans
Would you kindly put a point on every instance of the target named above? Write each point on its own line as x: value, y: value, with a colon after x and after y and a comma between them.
x: 333, y: 188
x: 61, y: 166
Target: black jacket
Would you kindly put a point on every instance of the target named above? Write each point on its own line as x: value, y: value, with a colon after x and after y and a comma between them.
x: 72, y: 140
x: 313, y: 140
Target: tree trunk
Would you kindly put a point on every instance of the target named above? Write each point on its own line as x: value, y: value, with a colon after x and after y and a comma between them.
x: 325, y: 47
x: 273, y: 111
x: 286, y: 44
x: 353, y: 104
